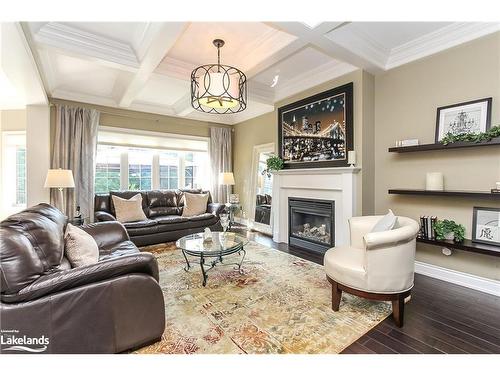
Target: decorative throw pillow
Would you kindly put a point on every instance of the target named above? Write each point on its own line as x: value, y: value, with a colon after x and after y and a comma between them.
x: 80, y: 247
x: 194, y: 204
x: 129, y: 209
x: 388, y: 222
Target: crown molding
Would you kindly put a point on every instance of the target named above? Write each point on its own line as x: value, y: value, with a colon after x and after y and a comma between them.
x: 81, y: 42
x: 317, y: 76
x: 83, y: 98
x: 439, y: 40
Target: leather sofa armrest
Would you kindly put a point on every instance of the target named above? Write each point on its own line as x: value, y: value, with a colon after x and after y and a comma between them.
x: 390, y: 238
x: 107, y: 234
x: 143, y: 263
x: 215, y: 208
x: 104, y: 216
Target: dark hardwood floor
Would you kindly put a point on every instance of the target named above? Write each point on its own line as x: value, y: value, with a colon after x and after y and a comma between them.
x: 440, y: 318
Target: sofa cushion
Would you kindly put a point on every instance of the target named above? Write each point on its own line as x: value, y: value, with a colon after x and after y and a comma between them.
x: 162, y: 202
x: 141, y: 223
x: 194, y: 204
x: 171, y: 219
x: 127, y: 195
x: 121, y: 249
x: 79, y: 247
x: 128, y: 210
x: 204, y: 216
x: 32, y: 244
x: 387, y: 222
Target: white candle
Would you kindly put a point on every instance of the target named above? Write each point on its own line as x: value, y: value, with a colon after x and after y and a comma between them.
x: 498, y: 185
x: 434, y: 181
x: 351, y: 157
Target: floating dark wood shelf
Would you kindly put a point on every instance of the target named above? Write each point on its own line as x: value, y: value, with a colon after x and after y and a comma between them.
x: 465, y: 245
x: 447, y: 193
x: 440, y: 146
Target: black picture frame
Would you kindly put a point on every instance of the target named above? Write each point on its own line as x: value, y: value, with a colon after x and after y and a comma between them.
x: 475, y: 212
x: 347, y: 92
x: 488, y: 102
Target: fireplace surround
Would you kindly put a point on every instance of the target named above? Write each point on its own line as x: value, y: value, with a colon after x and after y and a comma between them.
x: 311, y: 223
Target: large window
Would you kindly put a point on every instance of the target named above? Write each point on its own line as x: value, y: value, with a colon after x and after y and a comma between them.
x: 162, y: 164
x: 139, y: 169
x: 107, y: 172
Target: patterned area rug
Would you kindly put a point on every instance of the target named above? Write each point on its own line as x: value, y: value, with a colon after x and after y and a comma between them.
x: 280, y: 304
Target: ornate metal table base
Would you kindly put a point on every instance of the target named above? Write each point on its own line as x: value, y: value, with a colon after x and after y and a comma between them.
x: 204, y: 260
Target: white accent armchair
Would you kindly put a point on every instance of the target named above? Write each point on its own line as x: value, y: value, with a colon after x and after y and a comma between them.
x: 378, y: 265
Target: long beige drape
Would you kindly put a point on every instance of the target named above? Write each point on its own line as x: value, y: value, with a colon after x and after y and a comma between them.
x: 220, y: 161
x: 75, y: 147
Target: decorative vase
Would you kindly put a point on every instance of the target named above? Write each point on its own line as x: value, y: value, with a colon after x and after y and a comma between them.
x: 449, y: 236
x: 434, y: 181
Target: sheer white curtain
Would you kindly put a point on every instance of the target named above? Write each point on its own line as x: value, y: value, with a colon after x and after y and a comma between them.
x: 220, y: 161
x: 75, y: 146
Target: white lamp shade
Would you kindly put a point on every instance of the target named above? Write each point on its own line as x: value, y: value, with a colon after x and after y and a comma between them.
x: 212, y: 89
x: 226, y: 178
x: 59, y: 178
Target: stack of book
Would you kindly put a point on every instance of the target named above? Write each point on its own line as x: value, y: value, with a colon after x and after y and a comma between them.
x: 427, y: 224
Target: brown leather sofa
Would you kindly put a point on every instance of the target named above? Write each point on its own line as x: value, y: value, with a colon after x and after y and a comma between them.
x: 112, y: 306
x: 163, y: 208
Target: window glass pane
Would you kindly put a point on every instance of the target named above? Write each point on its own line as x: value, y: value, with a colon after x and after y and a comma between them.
x: 195, y: 170
x: 107, y: 172
x: 139, y: 169
x: 169, y: 169
x: 20, y: 175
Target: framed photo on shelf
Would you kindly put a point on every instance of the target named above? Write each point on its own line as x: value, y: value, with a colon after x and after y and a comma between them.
x: 463, y: 118
x: 486, y: 225
x: 317, y: 131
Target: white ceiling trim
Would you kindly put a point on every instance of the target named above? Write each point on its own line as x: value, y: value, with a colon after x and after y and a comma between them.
x: 81, y: 42
x: 84, y: 98
x: 439, y: 40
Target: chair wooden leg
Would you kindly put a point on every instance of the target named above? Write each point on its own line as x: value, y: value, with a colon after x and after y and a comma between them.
x: 398, y: 309
x: 336, y: 296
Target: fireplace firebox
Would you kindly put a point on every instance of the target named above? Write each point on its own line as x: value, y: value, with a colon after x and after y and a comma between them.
x: 311, y: 224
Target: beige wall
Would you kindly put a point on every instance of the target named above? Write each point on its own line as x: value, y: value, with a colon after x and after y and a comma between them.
x: 405, y: 107
x: 263, y: 129
x: 13, y: 119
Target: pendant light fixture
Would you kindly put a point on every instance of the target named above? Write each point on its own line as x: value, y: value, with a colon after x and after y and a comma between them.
x: 218, y: 88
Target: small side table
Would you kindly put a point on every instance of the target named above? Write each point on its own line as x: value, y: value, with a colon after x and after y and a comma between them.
x: 232, y: 208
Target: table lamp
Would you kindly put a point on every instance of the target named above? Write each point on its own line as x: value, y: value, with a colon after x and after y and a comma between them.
x: 60, y: 179
x: 226, y: 178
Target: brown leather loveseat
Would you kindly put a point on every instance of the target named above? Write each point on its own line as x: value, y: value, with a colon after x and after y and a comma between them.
x: 46, y: 306
x: 163, y: 208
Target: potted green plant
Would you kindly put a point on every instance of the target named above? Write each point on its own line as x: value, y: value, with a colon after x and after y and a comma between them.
x: 274, y: 163
x: 449, y: 230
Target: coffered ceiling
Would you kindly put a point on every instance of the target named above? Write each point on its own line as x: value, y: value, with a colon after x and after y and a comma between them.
x: 146, y: 66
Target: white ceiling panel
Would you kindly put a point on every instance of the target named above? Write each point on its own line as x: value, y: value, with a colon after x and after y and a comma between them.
x: 82, y: 76
x: 163, y: 90
x: 247, y: 43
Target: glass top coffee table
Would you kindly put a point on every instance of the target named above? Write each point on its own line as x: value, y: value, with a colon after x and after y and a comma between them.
x: 212, y: 252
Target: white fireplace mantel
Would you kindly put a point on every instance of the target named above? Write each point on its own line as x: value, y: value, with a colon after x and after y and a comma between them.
x: 337, y: 184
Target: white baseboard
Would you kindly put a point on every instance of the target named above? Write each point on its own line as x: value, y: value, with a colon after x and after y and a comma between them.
x: 460, y: 278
